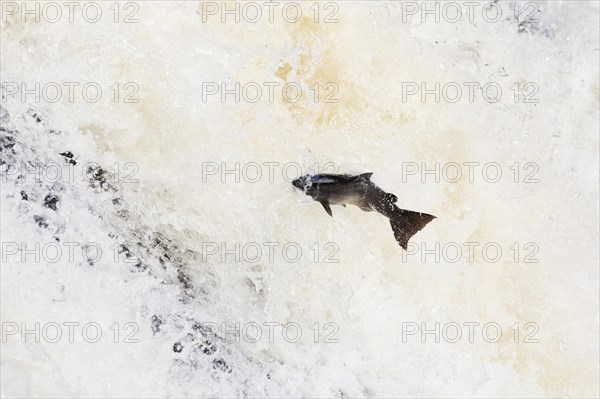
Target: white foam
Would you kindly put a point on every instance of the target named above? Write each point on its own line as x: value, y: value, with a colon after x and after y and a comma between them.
x: 370, y: 292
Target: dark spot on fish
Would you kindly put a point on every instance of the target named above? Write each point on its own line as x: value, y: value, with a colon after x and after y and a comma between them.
x: 24, y: 196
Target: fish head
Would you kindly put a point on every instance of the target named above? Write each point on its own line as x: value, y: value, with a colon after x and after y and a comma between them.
x: 303, y: 182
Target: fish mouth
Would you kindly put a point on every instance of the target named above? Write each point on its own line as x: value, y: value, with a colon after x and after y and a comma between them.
x: 303, y: 182
x: 299, y: 183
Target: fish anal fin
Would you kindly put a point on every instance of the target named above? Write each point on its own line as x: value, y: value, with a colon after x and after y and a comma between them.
x: 327, y: 208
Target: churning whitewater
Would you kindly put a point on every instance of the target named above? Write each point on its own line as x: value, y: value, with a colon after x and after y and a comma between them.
x: 153, y: 244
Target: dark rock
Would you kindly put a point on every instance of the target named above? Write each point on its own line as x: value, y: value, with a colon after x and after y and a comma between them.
x: 6, y: 143
x: 177, y: 347
x: 221, y: 364
x: 50, y: 201
x: 184, y: 279
x: 140, y: 267
x: 41, y: 221
x: 69, y: 157
x: 98, y: 178
x: 208, y: 348
x: 156, y: 323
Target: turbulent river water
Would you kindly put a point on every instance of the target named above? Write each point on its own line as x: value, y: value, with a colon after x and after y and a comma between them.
x: 152, y: 244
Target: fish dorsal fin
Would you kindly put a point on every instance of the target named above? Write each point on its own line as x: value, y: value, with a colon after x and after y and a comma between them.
x: 364, y: 176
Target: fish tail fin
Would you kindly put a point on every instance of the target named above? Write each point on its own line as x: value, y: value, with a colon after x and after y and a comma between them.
x: 406, y: 224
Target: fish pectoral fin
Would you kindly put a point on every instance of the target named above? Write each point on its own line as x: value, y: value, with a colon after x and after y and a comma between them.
x: 327, y: 208
x: 344, y: 205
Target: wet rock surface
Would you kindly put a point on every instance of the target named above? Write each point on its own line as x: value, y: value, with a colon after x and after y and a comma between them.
x: 140, y: 249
